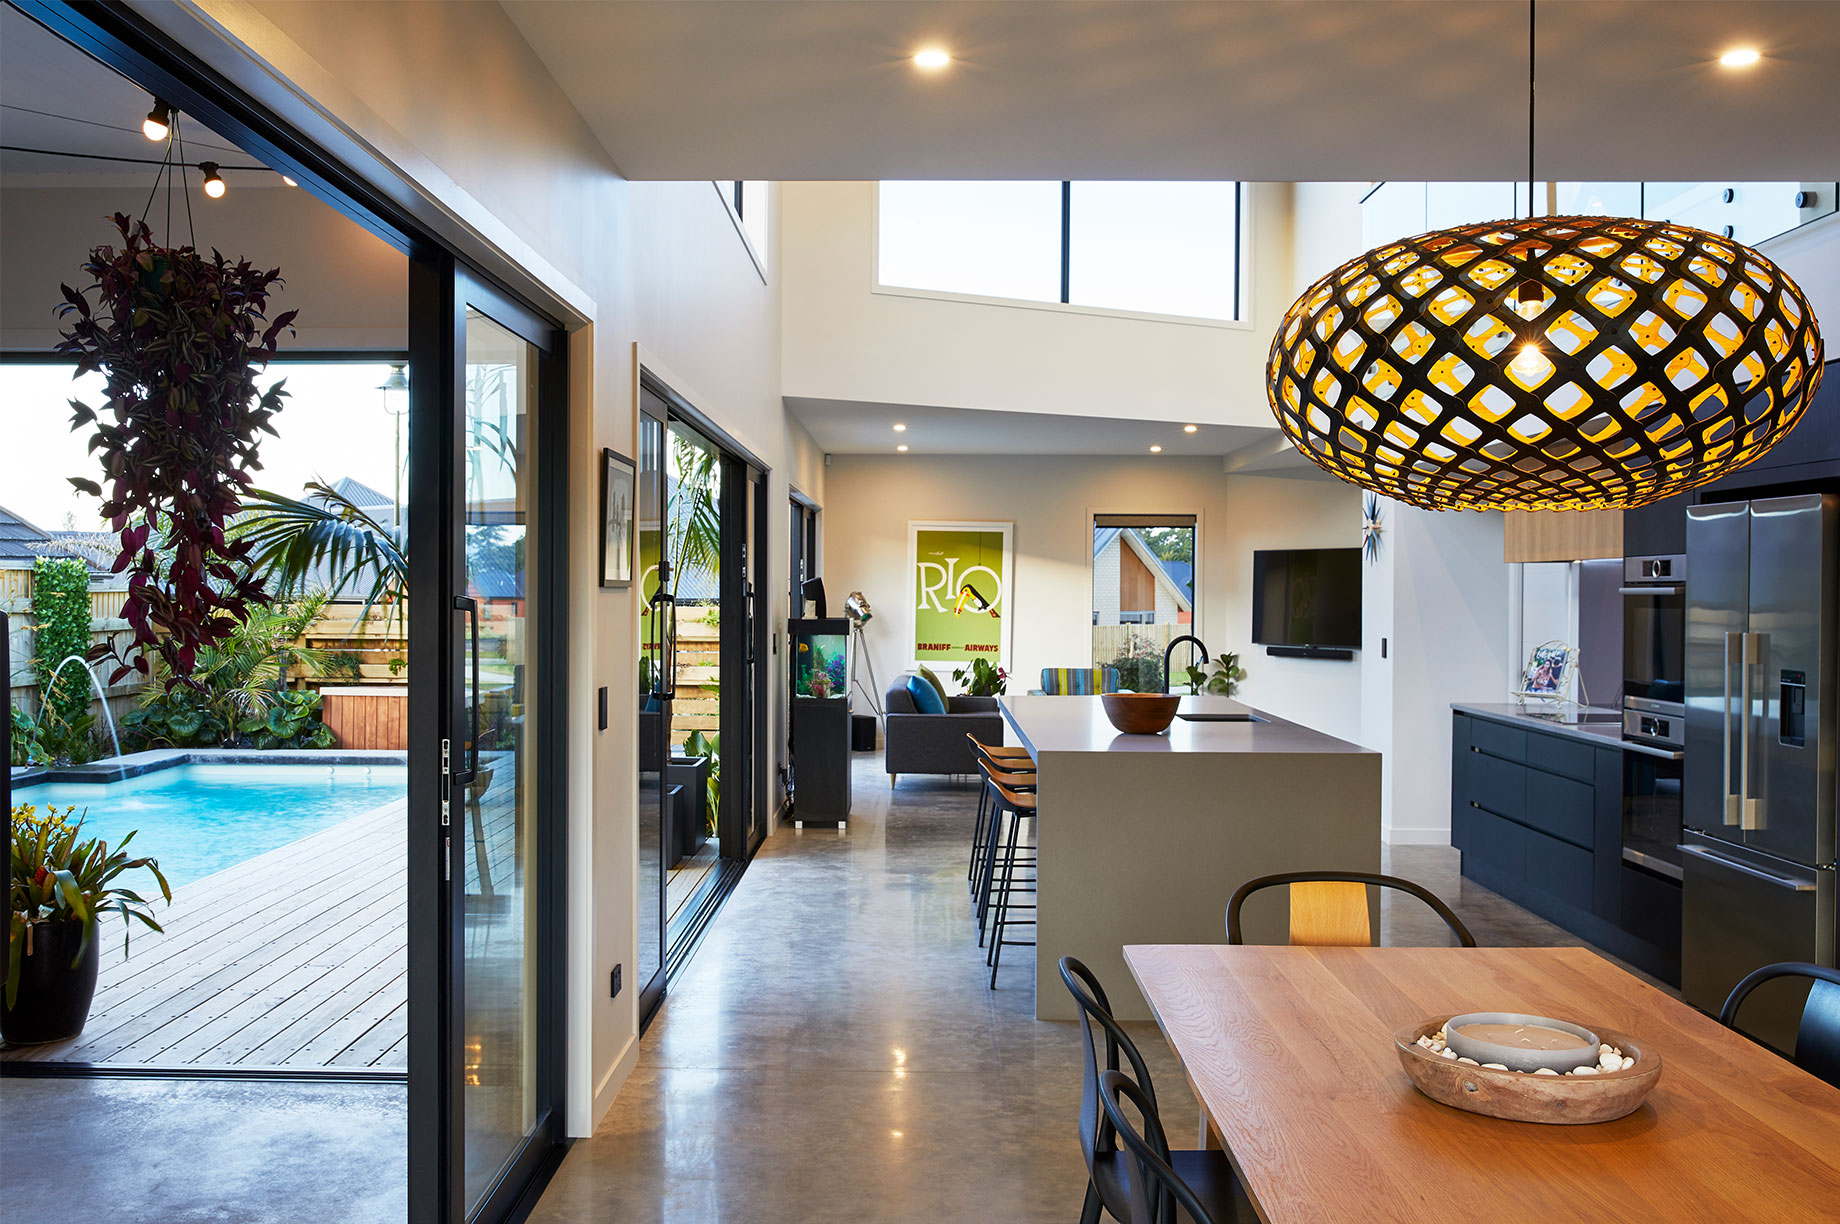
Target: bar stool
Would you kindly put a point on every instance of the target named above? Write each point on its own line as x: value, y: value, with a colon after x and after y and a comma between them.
x: 996, y: 780
x: 1012, y: 760
x: 1020, y: 806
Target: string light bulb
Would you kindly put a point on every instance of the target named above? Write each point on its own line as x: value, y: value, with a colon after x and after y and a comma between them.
x: 290, y: 182
x: 158, y: 123
x: 213, y: 182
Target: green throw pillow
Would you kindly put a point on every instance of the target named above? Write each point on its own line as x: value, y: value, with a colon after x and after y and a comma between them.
x: 926, y: 674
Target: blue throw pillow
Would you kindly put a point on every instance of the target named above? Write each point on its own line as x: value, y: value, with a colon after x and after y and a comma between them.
x: 926, y: 697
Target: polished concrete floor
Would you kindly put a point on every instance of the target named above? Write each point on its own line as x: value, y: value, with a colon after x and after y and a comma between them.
x: 203, y: 1151
x: 832, y: 1052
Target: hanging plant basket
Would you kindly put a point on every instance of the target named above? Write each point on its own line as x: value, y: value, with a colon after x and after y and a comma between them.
x: 180, y: 338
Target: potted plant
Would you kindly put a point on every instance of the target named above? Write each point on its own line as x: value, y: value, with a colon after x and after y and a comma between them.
x: 61, y: 883
x: 982, y: 678
x: 1220, y: 677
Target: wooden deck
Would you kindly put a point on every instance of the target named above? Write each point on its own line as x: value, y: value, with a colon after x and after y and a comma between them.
x: 297, y: 958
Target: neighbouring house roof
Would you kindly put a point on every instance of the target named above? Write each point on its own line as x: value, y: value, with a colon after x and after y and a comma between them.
x: 360, y: 494
x: 22, y: 543
x: 1179, y: 575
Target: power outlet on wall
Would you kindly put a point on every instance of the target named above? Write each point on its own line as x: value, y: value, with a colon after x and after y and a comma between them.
x: 616, y: 983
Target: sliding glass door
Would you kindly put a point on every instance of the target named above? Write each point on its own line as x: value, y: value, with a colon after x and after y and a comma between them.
x: 486, y: 579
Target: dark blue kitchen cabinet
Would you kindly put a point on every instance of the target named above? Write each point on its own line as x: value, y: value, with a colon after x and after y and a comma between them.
x: 1538, y: 817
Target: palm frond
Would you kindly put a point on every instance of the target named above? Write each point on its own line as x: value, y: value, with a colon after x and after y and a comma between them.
x: 296, y: 540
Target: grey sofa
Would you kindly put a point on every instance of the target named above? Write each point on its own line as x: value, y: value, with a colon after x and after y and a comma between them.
x: 919, y: 743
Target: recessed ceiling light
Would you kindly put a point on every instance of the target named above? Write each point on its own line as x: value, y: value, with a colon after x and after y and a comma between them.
x: 901, y: 447
x: 932, y: 58
x: 1190, y: 428
x: 1156, y: 450
x: 1740, y: 57
x: 899, y: 428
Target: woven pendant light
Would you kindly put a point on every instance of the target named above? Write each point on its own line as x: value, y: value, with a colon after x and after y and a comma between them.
x: 1546, y: 363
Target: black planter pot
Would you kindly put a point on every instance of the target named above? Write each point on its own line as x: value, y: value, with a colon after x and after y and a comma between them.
x: 54, y: 995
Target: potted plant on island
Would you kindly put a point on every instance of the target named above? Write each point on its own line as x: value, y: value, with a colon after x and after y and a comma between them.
x: 1220, y: 676
x: 61, y: 883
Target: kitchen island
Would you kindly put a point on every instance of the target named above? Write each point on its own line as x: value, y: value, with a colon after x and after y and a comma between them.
x: 1143, y: 838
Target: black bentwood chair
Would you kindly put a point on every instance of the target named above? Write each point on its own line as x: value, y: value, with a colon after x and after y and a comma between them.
x: 1158, y: 1194
x: 1110, y: 1175
x: 1817, y: 1040
x: 1329, y: 908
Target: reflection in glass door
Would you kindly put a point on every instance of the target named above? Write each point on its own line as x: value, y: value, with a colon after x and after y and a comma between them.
x: 656, y: 679
x: 499, y: 1073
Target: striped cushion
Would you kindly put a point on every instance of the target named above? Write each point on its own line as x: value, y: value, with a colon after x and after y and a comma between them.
x: 1078, y: 681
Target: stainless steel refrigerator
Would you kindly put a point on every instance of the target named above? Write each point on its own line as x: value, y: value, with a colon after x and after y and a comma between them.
x: 1759, y: 805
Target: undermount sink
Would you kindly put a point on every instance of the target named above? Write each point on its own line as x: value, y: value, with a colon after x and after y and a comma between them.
x: 1228, y: 716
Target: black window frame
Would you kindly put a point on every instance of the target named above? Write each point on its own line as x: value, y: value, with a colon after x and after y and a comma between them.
x: 1066, y: 248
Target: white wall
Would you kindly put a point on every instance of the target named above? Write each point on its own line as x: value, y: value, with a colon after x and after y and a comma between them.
x: 870, y: 498
x: 452, y: 97
x: 1446, y: 622
x: 846, y: 342
x: 351, y: 287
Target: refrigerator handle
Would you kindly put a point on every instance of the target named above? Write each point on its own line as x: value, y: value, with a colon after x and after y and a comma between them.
x: 1756, y: 649
x: 1756, y: 873
x: 1730, y: 800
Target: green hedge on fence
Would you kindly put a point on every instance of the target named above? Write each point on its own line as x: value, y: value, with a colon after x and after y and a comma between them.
x: 60, y: 605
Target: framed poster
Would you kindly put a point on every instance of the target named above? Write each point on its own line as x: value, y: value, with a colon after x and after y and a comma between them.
x: 617, y: 487
x: 958, y: 586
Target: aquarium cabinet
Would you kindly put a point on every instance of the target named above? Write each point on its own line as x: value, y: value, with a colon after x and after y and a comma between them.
x: 820, y: 720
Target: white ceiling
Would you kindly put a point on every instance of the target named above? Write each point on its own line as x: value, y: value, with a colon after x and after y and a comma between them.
x: 1275, y: 90
x: 850, y: 427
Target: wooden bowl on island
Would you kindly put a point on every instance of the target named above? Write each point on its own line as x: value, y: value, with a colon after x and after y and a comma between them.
x: 1522, y: 1097
x: 1141, y: 713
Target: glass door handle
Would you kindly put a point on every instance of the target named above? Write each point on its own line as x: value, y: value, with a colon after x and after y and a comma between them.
x: 470, y: 606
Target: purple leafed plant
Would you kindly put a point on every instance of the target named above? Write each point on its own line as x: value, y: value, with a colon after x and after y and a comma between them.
x: 180, y: 339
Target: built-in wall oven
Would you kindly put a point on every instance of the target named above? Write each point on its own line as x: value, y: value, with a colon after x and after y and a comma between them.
x: 1654, y: 649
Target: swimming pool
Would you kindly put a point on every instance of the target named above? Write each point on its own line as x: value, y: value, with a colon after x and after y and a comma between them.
x: 200, y: 819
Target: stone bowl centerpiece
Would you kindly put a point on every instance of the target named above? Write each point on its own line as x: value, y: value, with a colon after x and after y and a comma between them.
x: 1140, y: 713
x: 1612, y: 1084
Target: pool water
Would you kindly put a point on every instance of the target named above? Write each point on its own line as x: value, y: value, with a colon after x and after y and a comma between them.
x: 200, y: 819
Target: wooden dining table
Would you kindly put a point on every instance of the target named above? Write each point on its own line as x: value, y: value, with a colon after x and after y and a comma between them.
x: 1290, y: 1052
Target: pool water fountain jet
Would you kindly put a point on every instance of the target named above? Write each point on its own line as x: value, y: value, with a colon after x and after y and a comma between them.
x: 108, y: 716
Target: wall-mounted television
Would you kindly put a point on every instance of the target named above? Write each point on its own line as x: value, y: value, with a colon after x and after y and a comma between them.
x: 1307, y: 601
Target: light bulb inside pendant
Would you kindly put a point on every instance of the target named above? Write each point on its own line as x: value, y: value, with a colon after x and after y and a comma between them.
x: 1529, y: 363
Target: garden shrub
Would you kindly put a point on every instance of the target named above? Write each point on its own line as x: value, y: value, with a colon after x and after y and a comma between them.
x: 60, y: 606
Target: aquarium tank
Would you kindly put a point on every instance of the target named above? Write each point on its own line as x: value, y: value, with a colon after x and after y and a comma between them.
x: 821, y: 658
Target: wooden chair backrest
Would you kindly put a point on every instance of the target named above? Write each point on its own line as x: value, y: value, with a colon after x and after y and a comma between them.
x: 1330, y: 914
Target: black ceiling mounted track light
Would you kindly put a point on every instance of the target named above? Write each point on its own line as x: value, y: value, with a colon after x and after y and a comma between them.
x: 1545, y: 363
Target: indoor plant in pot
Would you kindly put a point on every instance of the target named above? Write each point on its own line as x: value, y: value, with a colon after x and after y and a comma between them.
x: 61, y: 883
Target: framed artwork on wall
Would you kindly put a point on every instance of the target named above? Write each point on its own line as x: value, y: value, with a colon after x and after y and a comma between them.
x: 958, y: 591
x: 618, y: 483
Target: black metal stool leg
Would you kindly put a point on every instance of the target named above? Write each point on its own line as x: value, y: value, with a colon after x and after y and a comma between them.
x: 1009, y: 866
x: 988, y: 874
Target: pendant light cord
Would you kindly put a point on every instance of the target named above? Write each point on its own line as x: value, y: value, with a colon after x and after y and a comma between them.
x: 1530, y: 62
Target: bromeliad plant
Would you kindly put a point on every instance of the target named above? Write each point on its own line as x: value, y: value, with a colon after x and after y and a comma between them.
x: 180, y: 339
x: 58, y: 875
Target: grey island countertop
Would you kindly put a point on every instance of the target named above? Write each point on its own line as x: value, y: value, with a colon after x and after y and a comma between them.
x: 1078, y: 724
x: 1598, y: 725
